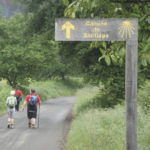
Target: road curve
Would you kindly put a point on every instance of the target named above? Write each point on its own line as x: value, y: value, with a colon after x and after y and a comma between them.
x: 54, y: 125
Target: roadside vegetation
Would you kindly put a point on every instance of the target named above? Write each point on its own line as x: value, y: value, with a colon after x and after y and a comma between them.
x: 45, y: 89
x: 31, y: 58
x: 97, y: 128
x: 4, y: 92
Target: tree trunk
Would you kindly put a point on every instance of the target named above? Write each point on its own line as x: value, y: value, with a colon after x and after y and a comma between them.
x: 11, y: 83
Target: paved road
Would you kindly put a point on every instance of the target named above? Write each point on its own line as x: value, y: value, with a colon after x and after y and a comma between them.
x: 55, y: 120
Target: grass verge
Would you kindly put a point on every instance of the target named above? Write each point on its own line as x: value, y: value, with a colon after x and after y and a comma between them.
x: 4, y: 92
x: 55, y: 88
x: 95, y: 128
x: 45, y: 89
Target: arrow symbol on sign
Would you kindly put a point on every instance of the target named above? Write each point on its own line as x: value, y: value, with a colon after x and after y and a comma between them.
x: 68, y: 26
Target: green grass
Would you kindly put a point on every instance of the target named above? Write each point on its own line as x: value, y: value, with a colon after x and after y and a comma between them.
x: 102, y: 129
x: 143, y: 130
x: 45, y: 89
x: 55, y: 88
x: 4, y: 92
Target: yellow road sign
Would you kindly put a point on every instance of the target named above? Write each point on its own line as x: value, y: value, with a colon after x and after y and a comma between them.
x: 68, y: 26
x: 95, y: 29
x: 126, y: 29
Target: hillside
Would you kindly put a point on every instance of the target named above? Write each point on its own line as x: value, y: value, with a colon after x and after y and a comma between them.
x: 9, y: 7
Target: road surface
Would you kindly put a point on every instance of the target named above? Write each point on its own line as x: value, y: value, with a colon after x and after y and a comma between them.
x: 55, y: 118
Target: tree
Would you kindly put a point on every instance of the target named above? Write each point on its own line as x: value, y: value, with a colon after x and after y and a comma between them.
x: 40, y: 27
x: 104, y: 61
x: 108, y: 9
x: 10, y: 51
x: 20, y: 60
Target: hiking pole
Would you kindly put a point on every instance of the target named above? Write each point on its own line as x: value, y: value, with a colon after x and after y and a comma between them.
x: 39, y: 116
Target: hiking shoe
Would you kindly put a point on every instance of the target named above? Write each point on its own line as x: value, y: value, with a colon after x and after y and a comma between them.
x: 11, y: 126
x: 8, y: 126
x: 33, y: 126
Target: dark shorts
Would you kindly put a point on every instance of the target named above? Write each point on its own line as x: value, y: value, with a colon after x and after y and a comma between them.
x: 32, y: 112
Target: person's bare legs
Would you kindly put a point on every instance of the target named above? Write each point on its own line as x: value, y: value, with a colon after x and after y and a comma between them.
x: 33, y: 122
x: 9, y: 122
x: 12, y: 122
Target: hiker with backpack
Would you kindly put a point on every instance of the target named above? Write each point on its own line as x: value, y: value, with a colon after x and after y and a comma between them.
x: 11, y: 102
x: 18, y: 95
x: 32, y: 101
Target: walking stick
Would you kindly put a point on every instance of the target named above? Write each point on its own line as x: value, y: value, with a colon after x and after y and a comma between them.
x: 39, y: 116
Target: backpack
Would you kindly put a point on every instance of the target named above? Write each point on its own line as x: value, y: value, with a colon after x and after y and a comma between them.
x: 32, y: 100
x: 11, y: 101
x: 18, y: 97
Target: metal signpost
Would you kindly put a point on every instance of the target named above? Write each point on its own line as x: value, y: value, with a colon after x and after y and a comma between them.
x: 125, y: 29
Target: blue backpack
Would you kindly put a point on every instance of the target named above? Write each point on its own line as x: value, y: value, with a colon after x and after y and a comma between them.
x: 32, y: 100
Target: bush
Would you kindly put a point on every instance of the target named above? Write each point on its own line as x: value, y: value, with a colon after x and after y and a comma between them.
x: 109, y: 95
x: 55, y: 88
x: 95, y: 128
x: 4, y: 93
x: 45, y: 89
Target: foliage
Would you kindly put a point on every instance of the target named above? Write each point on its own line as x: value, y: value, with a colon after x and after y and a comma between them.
x: 40, y: 27
x: 12, y: 60
x: 22, y: 58
x: 29, y: 42
x: 104, y: 61
x: 4, y: 92
x: 27, y: 48
x: 102, y: 129
x: 56, y: 88
x: 99, y: 8
x: 92, y: 63
x: 45, y: 89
